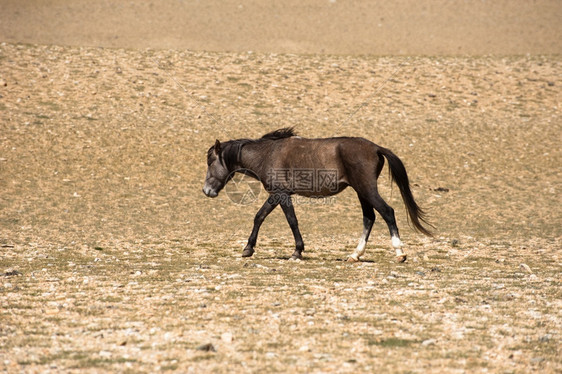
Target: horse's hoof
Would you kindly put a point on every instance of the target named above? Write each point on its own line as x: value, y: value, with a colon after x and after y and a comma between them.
x: 296, y: 256
x: 352, y: 259
x: 248, y: 252
x: 401, y: 258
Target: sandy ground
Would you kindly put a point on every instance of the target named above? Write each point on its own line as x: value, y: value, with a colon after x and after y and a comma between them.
x: 405, y: 27
x: 112, y: 259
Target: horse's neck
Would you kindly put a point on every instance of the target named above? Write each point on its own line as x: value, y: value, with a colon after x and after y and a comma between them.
x: 253, y: 157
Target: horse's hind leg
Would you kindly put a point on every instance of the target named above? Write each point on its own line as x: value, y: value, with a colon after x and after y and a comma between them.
x: 368, y: 221
x: 387, y: 213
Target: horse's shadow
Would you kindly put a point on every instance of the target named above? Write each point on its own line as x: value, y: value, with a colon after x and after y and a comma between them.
x: 308, y: 259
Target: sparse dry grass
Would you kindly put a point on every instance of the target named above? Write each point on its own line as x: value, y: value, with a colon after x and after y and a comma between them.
x: 126, y: 266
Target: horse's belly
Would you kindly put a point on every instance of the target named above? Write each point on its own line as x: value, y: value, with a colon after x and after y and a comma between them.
x: 321, y: 191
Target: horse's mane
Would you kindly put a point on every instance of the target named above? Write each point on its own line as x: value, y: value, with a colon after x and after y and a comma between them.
x: 231, y: 149
x: 286, y: 132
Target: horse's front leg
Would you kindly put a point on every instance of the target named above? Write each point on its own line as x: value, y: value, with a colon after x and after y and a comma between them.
x: 264, y: 211
x: 289, y: 210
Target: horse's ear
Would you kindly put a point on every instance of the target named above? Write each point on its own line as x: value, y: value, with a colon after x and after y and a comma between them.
x: 217, y: 147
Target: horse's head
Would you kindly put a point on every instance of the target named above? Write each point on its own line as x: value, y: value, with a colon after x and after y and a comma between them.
x: 217, y: 171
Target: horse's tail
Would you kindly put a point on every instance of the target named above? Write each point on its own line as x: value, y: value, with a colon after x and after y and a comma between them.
x: 400, y: 177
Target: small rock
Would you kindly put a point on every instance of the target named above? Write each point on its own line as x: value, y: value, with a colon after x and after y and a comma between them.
x: 429, y: 342
x: 420, y: 273
x: 105, y: 354
x: 441, y: 189
x: 432, y: 95
x: 12, y: 273
x: 227, y: 337
x: 545, y: 338
x: 206, y: 348
x: 550, y: 83
x: 526, y: 268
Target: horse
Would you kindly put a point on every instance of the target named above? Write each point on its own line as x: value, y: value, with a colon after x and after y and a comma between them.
x: 287, y: 164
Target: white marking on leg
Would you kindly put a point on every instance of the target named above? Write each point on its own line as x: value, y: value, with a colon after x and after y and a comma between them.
x: 360, y: 250
x: 397, y: 244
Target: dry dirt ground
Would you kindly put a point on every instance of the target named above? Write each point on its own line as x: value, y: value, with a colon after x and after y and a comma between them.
x: 112, y: 259
x: 380, y: 27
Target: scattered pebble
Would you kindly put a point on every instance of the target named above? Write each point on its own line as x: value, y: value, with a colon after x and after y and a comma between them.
x: 208, y: 347
x: 227, y: 337
x: 545, y: 338
x: 12, y: 273
x: 429, y: 342
x: 441, y: 189
x: 526, y: 268
x: 105, y: 354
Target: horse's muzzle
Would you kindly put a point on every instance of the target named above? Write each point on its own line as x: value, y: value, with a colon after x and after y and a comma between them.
x: 210, y: 192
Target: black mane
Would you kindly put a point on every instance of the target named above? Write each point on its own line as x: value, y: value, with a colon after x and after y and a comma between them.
x: 230, y: 150
x: 287, y: 132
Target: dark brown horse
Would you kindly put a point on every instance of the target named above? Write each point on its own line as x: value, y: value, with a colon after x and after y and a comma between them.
x: 287, y: 164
